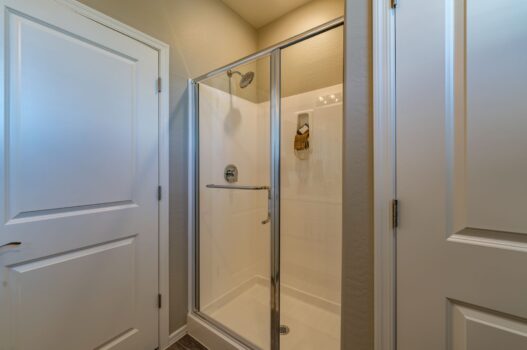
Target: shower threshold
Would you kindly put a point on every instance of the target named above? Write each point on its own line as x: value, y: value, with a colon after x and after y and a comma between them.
x: 308, y: 324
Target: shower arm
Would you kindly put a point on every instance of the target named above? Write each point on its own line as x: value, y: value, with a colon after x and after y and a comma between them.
x: 231, y: 72
x: 248, y: 188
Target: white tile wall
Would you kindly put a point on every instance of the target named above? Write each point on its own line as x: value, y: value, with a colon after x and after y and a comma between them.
x: 234, y: 244
x: 312, y: 197
x: 229, y: 220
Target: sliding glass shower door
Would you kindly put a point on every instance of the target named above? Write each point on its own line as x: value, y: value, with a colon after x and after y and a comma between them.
x: 233, y: 181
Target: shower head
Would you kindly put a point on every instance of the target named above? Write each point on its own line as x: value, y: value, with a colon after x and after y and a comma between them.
x: 246, y: 80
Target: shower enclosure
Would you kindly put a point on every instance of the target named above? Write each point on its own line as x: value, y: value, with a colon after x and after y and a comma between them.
x: 267, y: 184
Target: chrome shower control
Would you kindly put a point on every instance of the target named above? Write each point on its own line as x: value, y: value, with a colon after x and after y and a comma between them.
x: 231, y: 173
x: 284, y: 329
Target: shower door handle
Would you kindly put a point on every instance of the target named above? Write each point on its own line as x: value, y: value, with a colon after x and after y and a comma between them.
x: 249, y: 188
x: 268, y: 220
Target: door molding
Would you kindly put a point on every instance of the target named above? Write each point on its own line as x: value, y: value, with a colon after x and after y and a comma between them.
x: 163, y: 127
x: 384, y: 174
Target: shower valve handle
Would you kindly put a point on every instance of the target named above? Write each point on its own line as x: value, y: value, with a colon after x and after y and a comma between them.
x: 268, y: 220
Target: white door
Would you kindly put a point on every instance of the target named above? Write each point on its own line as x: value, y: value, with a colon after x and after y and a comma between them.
x: 79, y: 173
x: 462, y: 174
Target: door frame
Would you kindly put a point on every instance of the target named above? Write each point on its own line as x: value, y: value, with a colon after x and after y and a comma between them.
x: 384, y: 160
x: 163, y: 142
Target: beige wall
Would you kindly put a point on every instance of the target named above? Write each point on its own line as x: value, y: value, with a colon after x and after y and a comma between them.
x: 357, y: 226
x: 312, y: 64
x: 297, y: 21
x: 203, y: 35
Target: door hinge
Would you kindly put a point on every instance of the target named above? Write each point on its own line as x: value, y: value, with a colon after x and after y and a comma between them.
x: 159, y: 299
x: 393, y: 4
x: 395, y: 213
x: 159, y: 84
x: 159, y: 193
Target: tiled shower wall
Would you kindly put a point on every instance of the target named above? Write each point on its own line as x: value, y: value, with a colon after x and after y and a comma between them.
x: 311, y: 193
x: 234, y: 243
x: 230, y: 237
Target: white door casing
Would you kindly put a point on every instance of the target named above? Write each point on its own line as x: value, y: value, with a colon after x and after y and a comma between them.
x: 79, y: 174
x: 461, y: 169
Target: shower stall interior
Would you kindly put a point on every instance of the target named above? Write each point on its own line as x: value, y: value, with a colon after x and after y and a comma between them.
x: 267, y: 184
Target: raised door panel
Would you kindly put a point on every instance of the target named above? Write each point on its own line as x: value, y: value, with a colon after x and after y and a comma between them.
x: 71, y: 121
x: 496, y: 114
x: 59, y: 303
x: 487, y: 158
x: 480, y: 329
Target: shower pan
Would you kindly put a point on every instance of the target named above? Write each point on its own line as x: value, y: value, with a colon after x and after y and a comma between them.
x: 266, y: 222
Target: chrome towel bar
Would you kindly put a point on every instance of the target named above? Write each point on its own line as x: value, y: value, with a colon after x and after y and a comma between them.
x: 247, y: 188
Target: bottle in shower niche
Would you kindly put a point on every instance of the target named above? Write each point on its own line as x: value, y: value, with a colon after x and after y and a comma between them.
x: 303, y: 133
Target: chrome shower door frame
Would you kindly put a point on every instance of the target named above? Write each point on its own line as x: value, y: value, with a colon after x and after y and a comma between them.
x: 275, y: 196
x: 274, y: 52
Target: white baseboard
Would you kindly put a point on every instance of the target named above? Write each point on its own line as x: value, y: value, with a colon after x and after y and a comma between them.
x: 174, y: 337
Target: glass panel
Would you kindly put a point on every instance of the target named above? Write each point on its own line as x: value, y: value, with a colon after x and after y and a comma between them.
x: 234, y: 234
x: 311, y: 192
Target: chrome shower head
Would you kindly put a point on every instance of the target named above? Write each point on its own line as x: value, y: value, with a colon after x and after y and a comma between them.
x: 246, y: 79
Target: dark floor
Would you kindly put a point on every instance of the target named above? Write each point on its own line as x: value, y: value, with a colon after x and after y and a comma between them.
x: 187, y: 343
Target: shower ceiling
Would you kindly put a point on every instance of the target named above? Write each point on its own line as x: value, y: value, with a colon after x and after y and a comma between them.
x: 261, y: 12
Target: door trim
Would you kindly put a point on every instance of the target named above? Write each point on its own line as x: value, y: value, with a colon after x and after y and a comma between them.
x: 163, y: 141
x: 384, y: 117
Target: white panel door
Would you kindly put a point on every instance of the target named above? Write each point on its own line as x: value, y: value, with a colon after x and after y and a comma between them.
x: 78, y: 181
x: 462, y: 174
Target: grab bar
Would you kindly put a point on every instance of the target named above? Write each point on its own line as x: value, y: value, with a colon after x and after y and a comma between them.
x: 247, y: 188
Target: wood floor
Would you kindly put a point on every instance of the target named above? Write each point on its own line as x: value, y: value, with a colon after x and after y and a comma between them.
x: 187, y: 343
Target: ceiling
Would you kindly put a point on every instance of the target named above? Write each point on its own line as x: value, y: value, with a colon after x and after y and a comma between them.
x: 261, y: 12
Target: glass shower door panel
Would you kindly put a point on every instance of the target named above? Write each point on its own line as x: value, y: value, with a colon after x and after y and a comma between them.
x: 311, y: 192
x: 234, y: 230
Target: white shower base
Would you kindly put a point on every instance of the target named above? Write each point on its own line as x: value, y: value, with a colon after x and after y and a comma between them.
x: 314, y: 323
